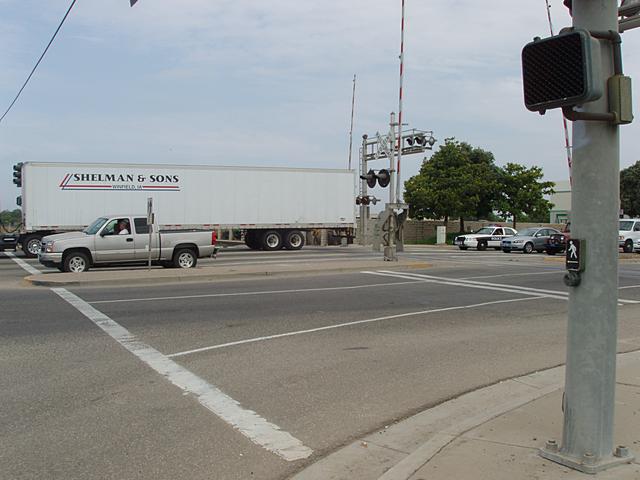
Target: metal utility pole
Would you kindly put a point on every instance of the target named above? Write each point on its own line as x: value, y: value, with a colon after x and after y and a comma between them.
x: 587, y: 440
x: 353, y: 104
x: 364, y: 210
x: 396, y: 198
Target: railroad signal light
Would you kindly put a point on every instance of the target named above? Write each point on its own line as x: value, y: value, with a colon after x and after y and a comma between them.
x: 420, y: 140
x: 383, y: 178
x: 629, y: 8
x: 561, y: 71
x: 370, y: 177
x: 17, y: 174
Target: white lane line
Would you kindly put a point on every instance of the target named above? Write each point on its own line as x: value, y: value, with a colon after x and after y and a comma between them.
x: 22, y: 263
x: 511, y: 275
x: 342, y: 325
x: 446, y: 281
x: 497, y: 286
x: 628, y: 286
x: 267, y: 292
x: 248, y: 422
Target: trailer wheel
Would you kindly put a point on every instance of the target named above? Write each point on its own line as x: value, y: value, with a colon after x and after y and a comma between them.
x: 31, y: 245
x: 75, y: 262
x: 294, y: 240
x: 272, y: 240
x: 185, y: 258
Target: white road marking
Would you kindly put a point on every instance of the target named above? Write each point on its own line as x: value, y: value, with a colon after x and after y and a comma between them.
x: 267, y: 292
x: 342, y: 325
x: 22, y: 263
x: 511, y: 275
x: 628, y: 286
x: 248, y: 422
x: 456, y: 283
x: 492, y: 286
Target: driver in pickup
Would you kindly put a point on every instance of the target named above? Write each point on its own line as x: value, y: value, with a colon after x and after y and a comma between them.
x: 123, y: 227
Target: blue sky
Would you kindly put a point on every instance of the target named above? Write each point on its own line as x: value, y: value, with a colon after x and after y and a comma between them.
x: 239, y: 82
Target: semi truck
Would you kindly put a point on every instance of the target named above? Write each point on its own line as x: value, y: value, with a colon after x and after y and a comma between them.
x: 271, y: 206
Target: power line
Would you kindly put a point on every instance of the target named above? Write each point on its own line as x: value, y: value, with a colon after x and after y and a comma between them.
x: 39, y: 60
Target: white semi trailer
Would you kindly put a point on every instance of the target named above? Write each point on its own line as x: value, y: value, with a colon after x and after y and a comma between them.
x: 272, y: 206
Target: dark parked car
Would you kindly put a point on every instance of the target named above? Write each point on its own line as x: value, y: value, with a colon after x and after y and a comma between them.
x: 557, y: 242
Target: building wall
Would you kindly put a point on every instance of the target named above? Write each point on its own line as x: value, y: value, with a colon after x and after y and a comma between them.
x: 561, y: 200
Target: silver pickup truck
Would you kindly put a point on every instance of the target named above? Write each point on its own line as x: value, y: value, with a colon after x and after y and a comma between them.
x: 124, y: 239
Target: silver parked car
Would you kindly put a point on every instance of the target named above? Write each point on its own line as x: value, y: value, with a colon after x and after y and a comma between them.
x: 528, y: 240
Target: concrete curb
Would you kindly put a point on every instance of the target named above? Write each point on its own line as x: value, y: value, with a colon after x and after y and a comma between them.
x: 208, y: 274
x: 399, y: 451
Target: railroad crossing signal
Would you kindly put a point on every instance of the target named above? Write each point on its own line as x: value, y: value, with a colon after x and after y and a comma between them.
x: 383, y: 177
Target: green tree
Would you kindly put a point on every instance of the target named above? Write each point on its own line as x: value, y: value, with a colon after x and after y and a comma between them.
x: 630, y: 190
x: 522, y: 192
x: 457, y: 181
x: 10, y: 219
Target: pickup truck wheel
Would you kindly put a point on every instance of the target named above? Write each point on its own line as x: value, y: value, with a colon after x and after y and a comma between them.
x: 272, y: 240
x: 628, y: 246
x: 76, y: 262
x: 184, y: 258
x: 294, y: 240
x: 31, y: 245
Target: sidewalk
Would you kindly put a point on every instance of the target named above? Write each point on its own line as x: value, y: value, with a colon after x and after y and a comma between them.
x: 98, y: 277
x: 493, y: 433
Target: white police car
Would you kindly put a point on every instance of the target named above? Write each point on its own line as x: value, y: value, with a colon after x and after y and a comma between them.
x: 486, y: 237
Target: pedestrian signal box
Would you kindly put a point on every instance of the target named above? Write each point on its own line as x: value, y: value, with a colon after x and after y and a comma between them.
x: 561, y: 71
x: 575, y: 255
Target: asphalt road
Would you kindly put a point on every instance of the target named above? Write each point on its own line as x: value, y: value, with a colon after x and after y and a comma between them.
x: 258, y: 378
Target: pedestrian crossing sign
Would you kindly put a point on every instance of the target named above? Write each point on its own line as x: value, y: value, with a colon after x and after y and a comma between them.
x: 575, y: 255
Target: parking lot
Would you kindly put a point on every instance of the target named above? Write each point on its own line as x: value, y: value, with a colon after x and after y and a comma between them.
x: 256, y: 377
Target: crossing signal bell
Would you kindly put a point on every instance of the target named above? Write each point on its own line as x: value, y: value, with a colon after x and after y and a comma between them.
x: 382, y: 178
x: 561, y: 71
x: 17, y: 174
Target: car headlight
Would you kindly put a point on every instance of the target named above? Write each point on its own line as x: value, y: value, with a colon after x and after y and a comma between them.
x: 517, y: 241
x: 49, y: 247
x: 620, y: 237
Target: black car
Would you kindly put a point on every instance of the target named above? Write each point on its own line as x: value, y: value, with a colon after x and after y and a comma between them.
x: 557, y: 243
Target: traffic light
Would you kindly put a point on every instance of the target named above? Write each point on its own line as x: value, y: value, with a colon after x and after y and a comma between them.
x: 17, y: 174
x: 561, y: 71
x: 383, y: 178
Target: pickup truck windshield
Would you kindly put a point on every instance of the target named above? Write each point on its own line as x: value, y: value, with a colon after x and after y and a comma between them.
x: 626, y: 226
x: 95, y: 226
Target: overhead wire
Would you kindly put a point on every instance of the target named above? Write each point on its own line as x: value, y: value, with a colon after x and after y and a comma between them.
x: 39, y: 60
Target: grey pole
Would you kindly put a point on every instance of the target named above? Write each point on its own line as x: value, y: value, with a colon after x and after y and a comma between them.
x: 587, y: 439
x: 364, y: 214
